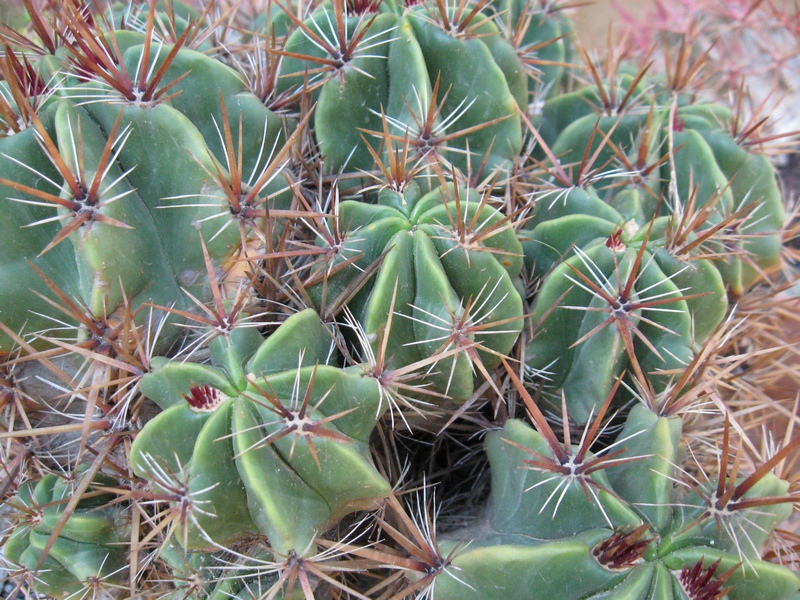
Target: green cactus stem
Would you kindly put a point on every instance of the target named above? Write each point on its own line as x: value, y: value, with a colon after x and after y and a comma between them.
x: 449, y: 262
x: 91, y: 189
x: 295, y: 428
x: 614, y: 296
x: 387, y: 66
x: 550, y: 503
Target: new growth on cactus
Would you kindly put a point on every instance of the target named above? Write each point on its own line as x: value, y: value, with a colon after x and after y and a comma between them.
x: 384, y: 300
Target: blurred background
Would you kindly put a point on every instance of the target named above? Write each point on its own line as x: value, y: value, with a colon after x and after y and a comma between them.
x: 592, y: 20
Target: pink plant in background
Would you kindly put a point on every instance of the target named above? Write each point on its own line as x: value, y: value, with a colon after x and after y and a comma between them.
x: 755, y: 42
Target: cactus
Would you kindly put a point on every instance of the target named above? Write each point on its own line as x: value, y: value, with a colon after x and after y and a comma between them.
x: 295, y: 428
x: 123, y: 227
x: 353, y: 299
x: 368, y: 60
x: 640, y: 260
x: 567, y: 523
x: 540, y: 33
x: 659, y: 137
x: 616, y: 296
x: 446, y: 280
x: 85, y: 553
x: 207, y: 575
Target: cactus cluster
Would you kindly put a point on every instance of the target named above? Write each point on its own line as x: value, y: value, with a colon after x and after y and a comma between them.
x: 370, y: 299
x: 613, y: 522
x: 446, y: 80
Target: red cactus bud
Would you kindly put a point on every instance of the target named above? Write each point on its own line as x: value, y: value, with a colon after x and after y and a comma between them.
x: 204, y: 398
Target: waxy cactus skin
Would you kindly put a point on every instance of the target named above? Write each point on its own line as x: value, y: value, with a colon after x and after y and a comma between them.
x: 614, y: 296
x: 711, y: 167
x: 389, y: 63
x: 126, y: 229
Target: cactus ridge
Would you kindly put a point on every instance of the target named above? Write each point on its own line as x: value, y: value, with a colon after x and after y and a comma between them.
x: 84, y: 552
